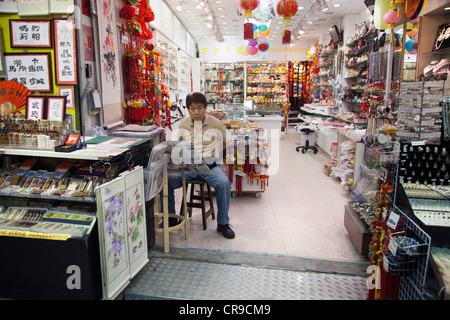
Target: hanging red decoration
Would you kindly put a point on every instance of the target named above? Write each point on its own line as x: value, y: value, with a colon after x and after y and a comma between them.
x: 127, y: 12
x: 248, y: 31
x: 286, y: 9
x: 248, y: 6
x: 286, y: 37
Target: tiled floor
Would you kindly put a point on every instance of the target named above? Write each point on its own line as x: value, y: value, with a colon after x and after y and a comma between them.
x: 300, y: 214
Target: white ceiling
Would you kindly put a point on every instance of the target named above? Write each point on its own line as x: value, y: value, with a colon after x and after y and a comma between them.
x: 230, y: 19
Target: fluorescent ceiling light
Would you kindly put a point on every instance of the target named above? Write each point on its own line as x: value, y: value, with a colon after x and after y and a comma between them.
x: 336, y: 5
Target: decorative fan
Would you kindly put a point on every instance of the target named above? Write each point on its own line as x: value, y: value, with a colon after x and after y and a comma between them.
x: 13, y: 96
x: 411, y: 8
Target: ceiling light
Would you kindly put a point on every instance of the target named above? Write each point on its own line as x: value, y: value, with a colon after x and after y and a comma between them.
x: 179, y: 6
x: 301, y: 8
x: 209, y: 25
x: 219, y: 8
x: 447, y: 8
x: 301, y: 31
x: 337, y: 5
x: 323, y: 5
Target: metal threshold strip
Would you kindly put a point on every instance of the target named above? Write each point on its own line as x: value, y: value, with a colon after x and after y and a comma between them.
x: 204, y: 274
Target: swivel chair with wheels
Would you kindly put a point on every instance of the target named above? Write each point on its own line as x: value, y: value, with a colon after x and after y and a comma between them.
x: 306, y: 132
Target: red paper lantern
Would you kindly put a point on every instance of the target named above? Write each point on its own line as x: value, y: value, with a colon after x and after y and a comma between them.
x: 286, y: 9
x: 248, y: 6
x: 248, y: 31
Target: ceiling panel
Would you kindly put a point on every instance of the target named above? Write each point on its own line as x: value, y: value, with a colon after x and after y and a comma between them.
x: 229, y: 19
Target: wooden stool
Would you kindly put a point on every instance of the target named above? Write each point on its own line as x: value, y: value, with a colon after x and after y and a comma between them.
x: 202, y: 197
x: 166, y: 215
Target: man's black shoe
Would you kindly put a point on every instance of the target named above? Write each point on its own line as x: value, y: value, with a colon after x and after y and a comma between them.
x: 226, y: 231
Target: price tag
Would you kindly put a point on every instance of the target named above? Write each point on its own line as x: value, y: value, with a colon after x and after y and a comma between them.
x: 386, y: 264
x: 393, y: 220
x: 393, y: 246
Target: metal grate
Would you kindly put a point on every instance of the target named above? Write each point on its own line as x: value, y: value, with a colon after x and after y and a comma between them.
x: 412, y: 283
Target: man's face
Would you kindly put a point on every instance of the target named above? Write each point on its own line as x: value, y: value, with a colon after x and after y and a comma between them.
x: 197, y: 111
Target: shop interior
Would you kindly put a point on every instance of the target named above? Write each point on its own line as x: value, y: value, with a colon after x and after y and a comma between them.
x: 346, y: 104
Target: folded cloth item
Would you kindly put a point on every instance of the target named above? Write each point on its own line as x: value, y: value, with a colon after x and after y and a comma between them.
x: 429, y: 68
x: 441, y: 64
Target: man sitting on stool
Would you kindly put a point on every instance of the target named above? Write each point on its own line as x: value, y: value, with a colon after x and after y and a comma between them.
x: 210, y: 137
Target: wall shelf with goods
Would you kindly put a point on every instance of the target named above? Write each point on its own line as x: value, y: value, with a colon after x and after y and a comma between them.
x: 184, y: 72
x: 224, y: 84
x: 169, y: 54
x: 327, y: 73
x: 267, y: 86
x: 299, y: 83
x: 52, y: 213
x: 356, y: 65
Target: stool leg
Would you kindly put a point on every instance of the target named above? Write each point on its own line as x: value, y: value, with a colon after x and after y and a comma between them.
x: 186, y: 229
x: 211, y: 205
x: 202, y: 195
x: 191, y: 200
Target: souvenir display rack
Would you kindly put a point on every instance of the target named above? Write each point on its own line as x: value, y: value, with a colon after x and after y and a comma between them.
x: 17, y: 132
x: 420, y: 111
x: 246, y: 162
x: 45, y: 237
x: 327, y: 72
x: 267, y: 86
x: 299, y: 83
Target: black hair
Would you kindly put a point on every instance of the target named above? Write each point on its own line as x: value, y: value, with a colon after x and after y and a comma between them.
x: 196, y: 97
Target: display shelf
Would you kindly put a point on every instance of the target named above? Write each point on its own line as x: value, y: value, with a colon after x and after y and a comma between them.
x: 267, y: 84
x: 224, y: 83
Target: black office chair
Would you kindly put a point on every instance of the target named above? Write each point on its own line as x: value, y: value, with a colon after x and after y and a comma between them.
x: 307, y: 147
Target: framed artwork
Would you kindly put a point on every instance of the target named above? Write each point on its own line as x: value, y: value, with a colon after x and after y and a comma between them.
x: 135, y: 219
x: 68, y: 92
x: 30, y: 33
x: 113, y: 237
x: 56, y: 108
x: 65, y: 52
x: 109, y: 61
x: 9, y: 6
x: 30, y: 69
x: 61, y: 6
x: 35, y: 107
x: 33, y: 7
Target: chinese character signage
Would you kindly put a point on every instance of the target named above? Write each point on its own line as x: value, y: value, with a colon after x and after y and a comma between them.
x: 30, y: 33
x: 30, y: 69
x: 65, y: 52
x: 35, y: 107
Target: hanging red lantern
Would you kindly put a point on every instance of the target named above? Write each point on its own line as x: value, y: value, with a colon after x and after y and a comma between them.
x: 248, y: 6
x: 248, y: 31
x: 286, y: 9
